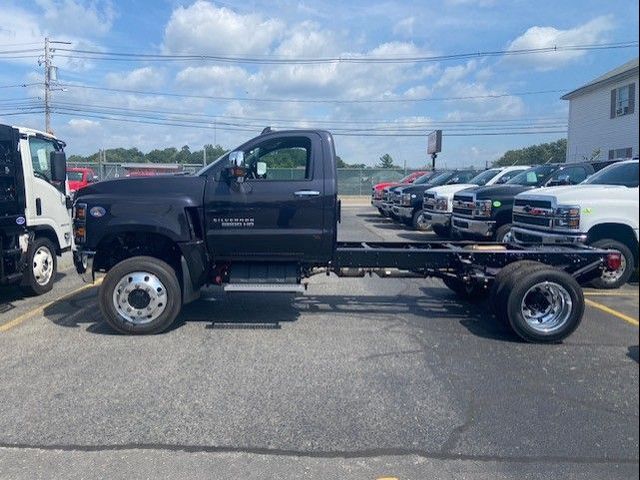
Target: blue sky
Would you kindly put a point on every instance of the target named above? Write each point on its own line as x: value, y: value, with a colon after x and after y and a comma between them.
x: 376, y: 97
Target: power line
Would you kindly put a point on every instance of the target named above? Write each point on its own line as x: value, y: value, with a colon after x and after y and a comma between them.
x: 386, y: 122
x: 309, y: 100
x: 346, y: 58
x: 238, y: 128
x: 19, y: 85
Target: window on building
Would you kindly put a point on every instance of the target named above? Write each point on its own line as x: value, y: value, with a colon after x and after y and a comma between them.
x: 623, y: 100
x: 620, y: 153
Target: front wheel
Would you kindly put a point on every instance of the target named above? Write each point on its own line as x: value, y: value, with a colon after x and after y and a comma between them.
x: 441, y: 231
x: 41, y: 268
x: 140, y: 295
x: 418, y: 222
x: 503, y: 232
x: 611, y: 279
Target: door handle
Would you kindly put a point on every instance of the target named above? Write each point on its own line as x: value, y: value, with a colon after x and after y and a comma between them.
x: 307, y: 193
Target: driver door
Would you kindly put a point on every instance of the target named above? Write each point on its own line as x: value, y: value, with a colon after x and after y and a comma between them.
x: 274, y: 216
x: 46, y: 202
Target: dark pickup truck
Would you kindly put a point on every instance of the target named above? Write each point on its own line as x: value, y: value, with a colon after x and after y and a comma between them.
x: 486, y: 212
x: 160, y: 240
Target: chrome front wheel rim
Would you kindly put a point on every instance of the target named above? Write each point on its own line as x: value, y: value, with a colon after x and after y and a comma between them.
x: 42, y: 265
x: 546, y: 307
x: 140, y: 297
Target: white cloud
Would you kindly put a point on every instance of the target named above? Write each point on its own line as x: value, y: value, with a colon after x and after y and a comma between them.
x: 205, y: 28
x: 221, y: 80
x: 591, y: 32
x: 82, y: 126
x: 456, y: 73
x: 76, y: 18
x: 140, y: 78
x: 405, y: 27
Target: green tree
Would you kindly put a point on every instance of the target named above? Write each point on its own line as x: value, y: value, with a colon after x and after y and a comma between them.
x: 386, y: 161
x: 552, y: 152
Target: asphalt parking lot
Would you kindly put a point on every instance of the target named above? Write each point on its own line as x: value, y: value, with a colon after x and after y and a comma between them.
x: 359, y: 378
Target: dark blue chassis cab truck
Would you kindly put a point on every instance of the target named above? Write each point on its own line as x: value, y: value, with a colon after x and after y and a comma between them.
x: 159, y: 240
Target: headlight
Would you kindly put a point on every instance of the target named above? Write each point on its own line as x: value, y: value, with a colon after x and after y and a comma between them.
x: 442, y: 203
x: 567, y: 216
x: 406, y: 198
x: 483, y: 208
x: 80, y: 222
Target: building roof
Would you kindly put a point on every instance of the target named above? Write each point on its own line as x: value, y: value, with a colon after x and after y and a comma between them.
x: 620, y: 73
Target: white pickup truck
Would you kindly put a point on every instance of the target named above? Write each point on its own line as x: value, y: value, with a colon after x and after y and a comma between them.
x: 602, y: 211
x: 438, y: 201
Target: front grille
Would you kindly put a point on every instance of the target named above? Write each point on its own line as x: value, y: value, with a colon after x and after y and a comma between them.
x: 525, y: 202
x: 396, y: 198
x: 463, y: 205
x: 532, y: 220
x: 429, y: 201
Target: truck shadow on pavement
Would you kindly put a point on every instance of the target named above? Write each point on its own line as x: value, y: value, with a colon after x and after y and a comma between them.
x: 434, y: 309
x: 13, y: 293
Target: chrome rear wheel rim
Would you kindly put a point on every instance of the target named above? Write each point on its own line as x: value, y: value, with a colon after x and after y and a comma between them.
x: 546, y: 307
x: 140, y: 297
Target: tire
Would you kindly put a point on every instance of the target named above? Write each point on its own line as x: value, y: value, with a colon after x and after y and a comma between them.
x: 504, y: 282
x: 471, y: 292
x: 42, y: 267
x: 441, y: 231
x: 381, y: 212
x: 418, y: 223
x: 611, y: 280
x: 502, y: 232
x: 148, y: 275
x: 545, y: 306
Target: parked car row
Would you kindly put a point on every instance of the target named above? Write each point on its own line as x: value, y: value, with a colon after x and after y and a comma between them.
x: 593, y: 203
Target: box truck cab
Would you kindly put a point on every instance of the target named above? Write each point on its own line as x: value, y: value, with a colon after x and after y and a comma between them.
x: 35, y: 220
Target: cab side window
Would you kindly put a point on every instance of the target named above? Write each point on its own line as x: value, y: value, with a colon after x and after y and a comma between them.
x: 574, y: 174
x: 41, y: 157
x: 285, y: 159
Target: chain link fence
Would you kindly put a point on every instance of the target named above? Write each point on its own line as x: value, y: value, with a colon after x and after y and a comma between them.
x: 351, y: 181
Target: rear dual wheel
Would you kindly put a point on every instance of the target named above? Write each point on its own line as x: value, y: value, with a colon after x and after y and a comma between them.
x: 540, y: 304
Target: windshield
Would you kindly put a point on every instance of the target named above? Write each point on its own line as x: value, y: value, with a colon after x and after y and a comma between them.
x: 423, y: 179
x: 484, y: 177
x: 74, y: 176
x: 439, y: 179
x: 624, y: 174
x: 534, y: 176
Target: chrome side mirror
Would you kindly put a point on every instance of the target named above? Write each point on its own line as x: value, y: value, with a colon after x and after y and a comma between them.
x: 261, y: 169
x: 236, y: 158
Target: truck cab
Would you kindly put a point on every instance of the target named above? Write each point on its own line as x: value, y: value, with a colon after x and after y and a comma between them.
x: 602, y: 211
x: 35, y: 221
x: 80, y: 177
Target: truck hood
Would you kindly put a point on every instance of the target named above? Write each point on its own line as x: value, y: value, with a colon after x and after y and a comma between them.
x: 579, y: 194
x: 163, y: 188
x: 449, y: 191
x: 490, y: 192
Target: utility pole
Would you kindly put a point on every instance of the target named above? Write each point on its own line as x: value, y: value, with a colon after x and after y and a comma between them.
x: 47, y: 86
x: 50, y: 75
x: 204, y: 156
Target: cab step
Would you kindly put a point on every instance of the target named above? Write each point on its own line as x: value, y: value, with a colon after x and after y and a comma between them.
x: 265, y: 287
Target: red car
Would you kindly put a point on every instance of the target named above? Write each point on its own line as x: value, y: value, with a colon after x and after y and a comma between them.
x: 377, y: 190
x: 80, y: 177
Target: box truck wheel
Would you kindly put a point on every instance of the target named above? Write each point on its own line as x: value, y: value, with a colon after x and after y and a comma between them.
x: 615, y: 279
x: 505, y: 280
x: 140, y: 295
x: 545, y: 305
x: 41, y: 268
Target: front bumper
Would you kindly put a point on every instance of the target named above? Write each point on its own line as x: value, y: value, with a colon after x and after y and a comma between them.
x: 403, y: 212
x: 386, y: 207
x: 83, y: 261
x: 437, y: 218
x: 525, y: 235
x: 473, y: 228
x: 376, y: 202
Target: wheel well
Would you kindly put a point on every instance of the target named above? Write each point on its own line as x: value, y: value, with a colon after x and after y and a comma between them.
x: 115, y: 248
x: 50, y: 235
x: 615, y: 231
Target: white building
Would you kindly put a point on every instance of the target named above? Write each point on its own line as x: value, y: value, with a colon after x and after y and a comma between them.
x: 603, y: 116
